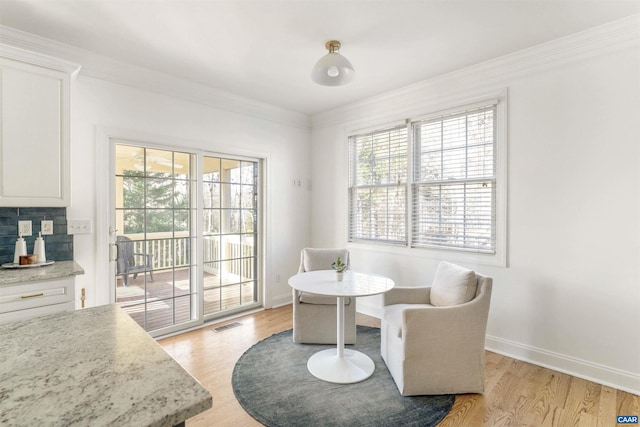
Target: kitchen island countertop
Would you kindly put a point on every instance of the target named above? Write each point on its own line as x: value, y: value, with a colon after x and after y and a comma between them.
x: 92, y: 367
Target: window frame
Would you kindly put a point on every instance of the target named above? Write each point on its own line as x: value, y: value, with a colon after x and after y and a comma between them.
x: 499, y: 258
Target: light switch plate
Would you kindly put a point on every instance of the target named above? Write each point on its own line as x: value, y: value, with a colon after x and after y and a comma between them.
x: 79, y: 226
x: 46, y: 227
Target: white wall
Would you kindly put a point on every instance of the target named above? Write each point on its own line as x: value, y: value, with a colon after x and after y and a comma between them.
x: 97, y: 104
x: 570, y: 295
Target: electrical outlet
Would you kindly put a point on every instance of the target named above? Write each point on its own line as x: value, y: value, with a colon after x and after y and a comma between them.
x: 24, y: 228
x: 46, y: 227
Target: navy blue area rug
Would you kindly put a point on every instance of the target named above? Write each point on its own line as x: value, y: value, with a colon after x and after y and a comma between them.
x: 272, y: 383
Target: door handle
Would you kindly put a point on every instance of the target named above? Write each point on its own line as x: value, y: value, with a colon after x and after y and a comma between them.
x: 113, y: 252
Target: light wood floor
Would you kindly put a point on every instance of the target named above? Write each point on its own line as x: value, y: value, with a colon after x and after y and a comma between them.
x: 517, y: 393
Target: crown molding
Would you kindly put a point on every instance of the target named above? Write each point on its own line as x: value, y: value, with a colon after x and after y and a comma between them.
x: 23, y: 55
x: 104, y: 68
x: 489, y: 75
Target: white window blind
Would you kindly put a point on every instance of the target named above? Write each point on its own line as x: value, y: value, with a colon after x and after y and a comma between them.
x: 454, y: 181
x: 378, y: 165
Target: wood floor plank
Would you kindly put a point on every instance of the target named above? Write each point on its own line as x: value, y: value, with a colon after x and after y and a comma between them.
x: 516, y: 393
x: 607, y: 406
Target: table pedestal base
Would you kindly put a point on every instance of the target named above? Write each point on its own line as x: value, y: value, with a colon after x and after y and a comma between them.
x: 352, y: 368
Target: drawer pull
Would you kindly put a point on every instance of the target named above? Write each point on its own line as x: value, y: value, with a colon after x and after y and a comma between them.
x: 41, y: 294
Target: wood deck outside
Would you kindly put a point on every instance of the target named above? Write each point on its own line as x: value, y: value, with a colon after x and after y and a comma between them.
x: 167, y: 305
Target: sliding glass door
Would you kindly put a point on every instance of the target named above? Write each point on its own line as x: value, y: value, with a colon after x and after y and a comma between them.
x: 230, y: 212
x: 154, y: 214
x: 186, y: 233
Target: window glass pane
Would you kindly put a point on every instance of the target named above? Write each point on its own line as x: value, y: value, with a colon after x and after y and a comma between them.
x: 459, y: 215
x: 247, y: 196
x: 181, y: 165
x: 211, y: 195
x: 230, y: 196
x: 132, y: 220
x: 129, y: 192
x: 211, y: 171
x: 211, y: 220
x: 159, y: 193
x: 129, y: 160
x: 248, y: 221
x: 182, y: 220
x: 248, y: 172
x: 480, y: 161
x: 211, y: 250
x: 230, y: 296
x: 249, y: 292
x: 454, y: 132
x: 231, y: 170
x: 430, y: 166
x: 454, y: 164
x: 182, y: 251
x: 183, y: 309
x: 159, y: 314
x: 181, y: 194
x: 230, y: 221
x: 379, y: 214
x: 158, y: 163
x: 159, y: 221
x: 480, y: 128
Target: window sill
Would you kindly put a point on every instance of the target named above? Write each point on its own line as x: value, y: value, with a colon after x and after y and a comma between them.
x: 495, y: 260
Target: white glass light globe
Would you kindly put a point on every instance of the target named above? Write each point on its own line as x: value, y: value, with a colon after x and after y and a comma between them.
x: 333, y: 69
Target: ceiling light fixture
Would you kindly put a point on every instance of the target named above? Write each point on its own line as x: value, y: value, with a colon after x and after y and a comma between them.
x: 333, y: 69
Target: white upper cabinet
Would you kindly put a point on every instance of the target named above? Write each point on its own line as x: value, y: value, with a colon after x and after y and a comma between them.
x: 34, y: 132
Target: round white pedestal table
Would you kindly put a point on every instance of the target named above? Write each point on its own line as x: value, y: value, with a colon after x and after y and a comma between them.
x: 340, y: 365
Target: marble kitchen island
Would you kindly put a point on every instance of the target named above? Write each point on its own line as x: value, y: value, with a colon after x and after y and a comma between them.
x: 91, y: 367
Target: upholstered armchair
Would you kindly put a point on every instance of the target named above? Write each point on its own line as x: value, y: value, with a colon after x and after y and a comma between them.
x: 315, y: 316
x: 433, y: 338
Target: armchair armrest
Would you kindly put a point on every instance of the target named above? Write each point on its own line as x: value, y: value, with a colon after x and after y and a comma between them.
x: 407, y: 295
x: 457, y: 328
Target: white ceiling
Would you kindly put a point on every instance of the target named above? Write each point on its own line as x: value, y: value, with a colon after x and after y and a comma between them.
x: 264, y: 50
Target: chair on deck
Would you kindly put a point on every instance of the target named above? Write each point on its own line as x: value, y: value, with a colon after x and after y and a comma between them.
x: 130, y: 262
x: 315, y: 316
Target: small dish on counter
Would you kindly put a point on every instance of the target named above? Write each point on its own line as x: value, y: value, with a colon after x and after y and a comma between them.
x: 14, y: 265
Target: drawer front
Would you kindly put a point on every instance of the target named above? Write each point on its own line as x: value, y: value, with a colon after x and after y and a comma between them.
x: 36, y: 294
x: 12, y: 316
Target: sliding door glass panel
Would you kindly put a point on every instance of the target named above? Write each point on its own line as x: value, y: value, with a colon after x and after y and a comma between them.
x: 155, y: 274
x: 230, y: 190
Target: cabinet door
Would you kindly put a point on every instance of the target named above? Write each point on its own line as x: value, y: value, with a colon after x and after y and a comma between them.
x: 34, y: 144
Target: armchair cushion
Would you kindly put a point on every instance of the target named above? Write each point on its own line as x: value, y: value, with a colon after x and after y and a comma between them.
x: 452, y: 285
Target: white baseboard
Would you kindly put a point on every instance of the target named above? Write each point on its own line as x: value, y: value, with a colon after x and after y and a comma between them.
x: 280, y: 300
x: 616, y: 378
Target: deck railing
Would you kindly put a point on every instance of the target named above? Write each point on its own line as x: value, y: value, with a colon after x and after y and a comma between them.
x: 236, y: 256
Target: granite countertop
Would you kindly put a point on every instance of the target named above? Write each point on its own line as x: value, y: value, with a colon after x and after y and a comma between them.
x: 57, y: 270
x: 92, y: 367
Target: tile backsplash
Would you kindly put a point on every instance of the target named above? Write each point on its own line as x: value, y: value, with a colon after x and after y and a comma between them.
x: 59, y: 245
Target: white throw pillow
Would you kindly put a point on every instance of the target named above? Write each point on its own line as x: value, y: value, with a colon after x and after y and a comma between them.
x: 453, y: 285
